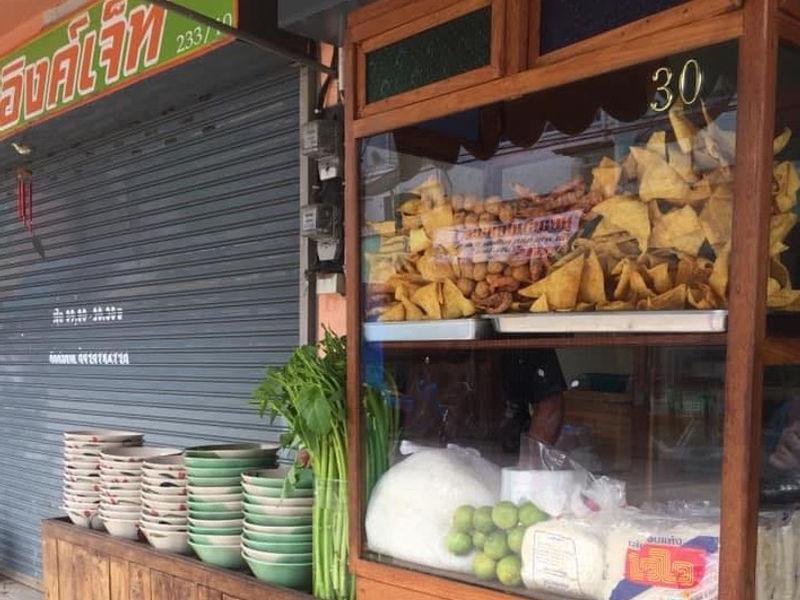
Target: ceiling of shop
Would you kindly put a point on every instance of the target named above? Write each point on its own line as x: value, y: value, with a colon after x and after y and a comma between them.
x: 161, y: 94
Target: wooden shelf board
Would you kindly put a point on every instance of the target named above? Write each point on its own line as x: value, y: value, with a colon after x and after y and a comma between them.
x: 781, y: 351
x: 564, y: 341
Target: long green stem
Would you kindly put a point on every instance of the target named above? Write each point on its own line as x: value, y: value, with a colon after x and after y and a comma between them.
x: 308, y: 392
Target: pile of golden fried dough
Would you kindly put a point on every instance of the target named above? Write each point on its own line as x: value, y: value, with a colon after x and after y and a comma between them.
x: 649, y: 232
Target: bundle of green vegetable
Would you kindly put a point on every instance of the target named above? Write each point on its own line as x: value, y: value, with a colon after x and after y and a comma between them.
x: 308, y: 392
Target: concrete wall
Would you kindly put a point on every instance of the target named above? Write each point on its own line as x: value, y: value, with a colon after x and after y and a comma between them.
x: 21, y: 20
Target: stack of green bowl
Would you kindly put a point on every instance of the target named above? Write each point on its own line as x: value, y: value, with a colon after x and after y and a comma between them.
x: 276, y: 541
x: 215, y: 499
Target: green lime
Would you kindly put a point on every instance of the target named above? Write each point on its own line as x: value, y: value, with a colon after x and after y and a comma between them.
x: 459, y: 543
x: 530, y: 514
x: 505, y: 515
x: 484, y: 567
x: 509, y: 570
x: 515, y: 537
x: 496, y: 546
x: 478, y: 539
x: 482, y: 519
x: 462, y: 518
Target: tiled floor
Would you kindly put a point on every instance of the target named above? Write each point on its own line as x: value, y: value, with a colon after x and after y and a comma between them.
x: 11, y: 590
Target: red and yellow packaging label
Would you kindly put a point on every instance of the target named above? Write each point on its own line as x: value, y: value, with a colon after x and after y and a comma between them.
x: 675, y: 567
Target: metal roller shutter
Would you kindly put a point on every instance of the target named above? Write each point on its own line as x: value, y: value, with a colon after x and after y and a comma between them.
x: 173, y: 244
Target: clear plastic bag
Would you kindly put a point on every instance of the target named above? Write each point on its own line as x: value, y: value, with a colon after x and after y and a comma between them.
x: 411, y: 509
x: 557, y: 484
x: 596, y: 547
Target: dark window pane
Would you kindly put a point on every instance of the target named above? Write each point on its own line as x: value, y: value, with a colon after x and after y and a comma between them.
x: 452, y: 48
x: 565, y: 22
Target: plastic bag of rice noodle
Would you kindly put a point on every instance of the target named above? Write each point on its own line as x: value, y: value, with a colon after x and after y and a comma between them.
x: 411, y: 508
x: 766, y: 556
x: 795, y: 522
x: 785, y: 563
x: 778, y: 555
x: 650, y: 556
x: 565, y: 556
x: 785, y: 537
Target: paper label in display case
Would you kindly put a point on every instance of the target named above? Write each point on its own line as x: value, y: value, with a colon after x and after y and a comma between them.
x: 555, y: 563
x: 662, y: 571
x: 675, y: 567
x: 539, y: 237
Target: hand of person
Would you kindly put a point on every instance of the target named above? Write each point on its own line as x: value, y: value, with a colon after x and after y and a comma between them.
x: 548, y: 416
x: 787, y: 453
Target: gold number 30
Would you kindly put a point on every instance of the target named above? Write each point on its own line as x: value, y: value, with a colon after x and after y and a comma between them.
x: 690, y: 85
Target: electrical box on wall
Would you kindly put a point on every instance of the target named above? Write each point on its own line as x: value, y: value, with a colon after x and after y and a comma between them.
x: 321, y: 139
x: 323, y: 224
x: 321, y: 221
x: 318, y: 221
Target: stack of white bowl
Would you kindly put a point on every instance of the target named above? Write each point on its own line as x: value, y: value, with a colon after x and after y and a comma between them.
x: 82, y: 486
x: 164, y: 516
x: 120, y: 487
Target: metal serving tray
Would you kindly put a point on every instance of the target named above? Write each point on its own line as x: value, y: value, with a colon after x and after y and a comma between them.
x: 414, y: 331
x: 665, y: 321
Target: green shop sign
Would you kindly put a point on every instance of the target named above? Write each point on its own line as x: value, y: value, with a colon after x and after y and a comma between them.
x: 98, y: 50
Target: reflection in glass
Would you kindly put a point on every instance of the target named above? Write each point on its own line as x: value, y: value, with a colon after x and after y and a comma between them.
x: 612, y: 194
x: 784, y: 238
x: 779, y: 521
x: 545, y: 470
x: 778, y: 563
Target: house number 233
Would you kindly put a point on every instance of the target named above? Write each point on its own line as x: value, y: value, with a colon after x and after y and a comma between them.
x: 690, y: 84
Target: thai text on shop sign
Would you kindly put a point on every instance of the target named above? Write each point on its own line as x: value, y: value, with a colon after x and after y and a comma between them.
x: 106, y: 46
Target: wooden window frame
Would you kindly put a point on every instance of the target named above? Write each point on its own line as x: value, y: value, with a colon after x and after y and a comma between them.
x: 791, y: 7
x: 602, y: 60
x: 432, y: 19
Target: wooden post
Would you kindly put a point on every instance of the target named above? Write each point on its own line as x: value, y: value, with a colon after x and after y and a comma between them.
x: 352, y: 227
x: 747, y: 296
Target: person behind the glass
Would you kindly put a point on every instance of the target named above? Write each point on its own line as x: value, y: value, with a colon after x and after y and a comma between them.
x: 533, y: 387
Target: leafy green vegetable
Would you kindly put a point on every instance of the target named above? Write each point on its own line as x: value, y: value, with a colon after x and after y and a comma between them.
x: 308, y: 392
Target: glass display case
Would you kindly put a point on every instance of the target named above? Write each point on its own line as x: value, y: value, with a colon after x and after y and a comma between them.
x: 577, y: 294
x: 553, y: 470
x: 577, y: 199
x: 562, y: 470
